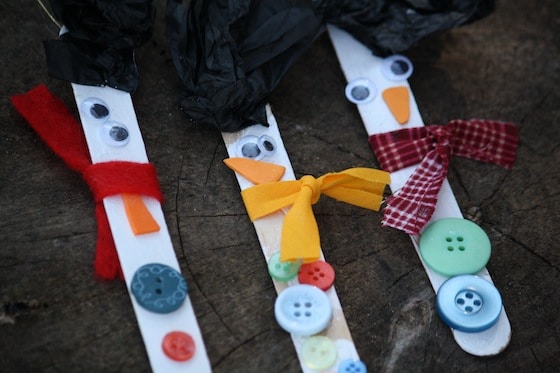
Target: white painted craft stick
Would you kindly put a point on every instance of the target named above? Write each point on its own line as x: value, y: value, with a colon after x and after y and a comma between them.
x: 135, y: 251
x: 269, y: 230
x: 357, y: 61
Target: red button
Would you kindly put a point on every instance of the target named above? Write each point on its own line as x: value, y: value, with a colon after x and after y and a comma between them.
x: 319, y: 273
x: 178, y: 346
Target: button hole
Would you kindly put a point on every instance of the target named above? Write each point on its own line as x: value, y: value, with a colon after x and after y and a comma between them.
x: 462, y: 248
x: 297, y: 305
x: 297, y: 314
x: 308, y: 305
x: 450, y: 248
x: 158, y: 291
x: 460, y: 239
x: 448, y: 239
x: 469, y: 295
x: 469, y: 309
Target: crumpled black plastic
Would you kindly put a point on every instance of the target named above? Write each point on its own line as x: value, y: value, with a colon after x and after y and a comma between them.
x: 98, y: 48
x: 231, y: 54
x: 390, y: 26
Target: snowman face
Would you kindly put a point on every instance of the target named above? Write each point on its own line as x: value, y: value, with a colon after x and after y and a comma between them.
x: 110, y: 125
x: 384, y: 89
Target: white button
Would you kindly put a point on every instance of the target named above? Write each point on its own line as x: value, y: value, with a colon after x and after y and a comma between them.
x: 303, y: 310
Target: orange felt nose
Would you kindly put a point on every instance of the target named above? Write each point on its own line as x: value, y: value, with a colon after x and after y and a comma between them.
x: 257, y: 172
x: 139, y: 217
x: 398, y: 101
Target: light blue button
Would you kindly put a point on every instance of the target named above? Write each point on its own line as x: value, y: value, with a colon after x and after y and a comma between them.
x: 303, y: 310
x: 352, y: 366
x: 159, y: 288
x: 468, y: 303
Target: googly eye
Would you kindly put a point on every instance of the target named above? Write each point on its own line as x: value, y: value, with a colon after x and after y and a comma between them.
x: 255, y: 147
x: 95, y: 108
x: 397, y: 67
x: 115, y: 133
x: 248, y: 147
x: 267, y: 145
x: 360, y: 91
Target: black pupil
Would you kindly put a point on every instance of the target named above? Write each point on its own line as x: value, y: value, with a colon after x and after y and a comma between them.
x: 99, y: 111
x: 399, y: 67
x: 250, y: 150
x: 360, y: 92
x: 118, y: 133
x: 268, y: 146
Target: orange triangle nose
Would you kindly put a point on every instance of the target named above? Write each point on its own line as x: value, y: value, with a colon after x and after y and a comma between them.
x: 257, y: 172
x: 139, y: 217
x: 398, y: 101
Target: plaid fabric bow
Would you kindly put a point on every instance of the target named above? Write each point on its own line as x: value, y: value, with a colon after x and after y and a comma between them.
x: 48, y: 116
x: 361, y: 187
x: 433, y: 146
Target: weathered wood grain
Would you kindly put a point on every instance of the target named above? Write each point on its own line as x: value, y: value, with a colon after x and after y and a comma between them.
x: 55, y: 316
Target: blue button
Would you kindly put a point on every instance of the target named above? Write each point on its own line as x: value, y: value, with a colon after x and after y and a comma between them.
x: 159, y: 288
x: 468, y: 303
x: 352, y: 366
x: 303, y: 310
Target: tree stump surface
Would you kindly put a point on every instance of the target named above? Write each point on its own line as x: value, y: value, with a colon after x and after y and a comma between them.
x: 56, y: 316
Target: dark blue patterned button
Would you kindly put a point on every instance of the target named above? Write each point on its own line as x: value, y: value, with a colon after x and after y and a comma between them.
x: 159, y: 288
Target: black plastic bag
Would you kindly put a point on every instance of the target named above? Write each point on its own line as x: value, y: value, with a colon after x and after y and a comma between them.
x: 231, y: 54
x: 392, y: 26
x: 98, y: 48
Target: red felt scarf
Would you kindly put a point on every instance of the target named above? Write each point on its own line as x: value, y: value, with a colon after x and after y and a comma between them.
x: 412, y: 206
x: 48, y: 116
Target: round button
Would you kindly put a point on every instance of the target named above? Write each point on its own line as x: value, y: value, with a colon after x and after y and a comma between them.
x: 360, y: 91
x: 178, y: 346
x: 455, y: 246
x: 468, y: 303
x: 318, y: 352
x: 303, y: 310
x: 282, y: 271
x: 319, y: 273
x: 352, y: 366
x: 159, y: 288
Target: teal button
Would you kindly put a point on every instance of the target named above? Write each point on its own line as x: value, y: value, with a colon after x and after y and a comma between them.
x: 282, y: 271
x: 455, y: 246
x: 159, y: 288
x: 318, y: 352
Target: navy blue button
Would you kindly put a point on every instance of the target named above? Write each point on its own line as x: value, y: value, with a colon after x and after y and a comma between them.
x: 159, y: 288
x: 352, y: 366
x: 468, y: 303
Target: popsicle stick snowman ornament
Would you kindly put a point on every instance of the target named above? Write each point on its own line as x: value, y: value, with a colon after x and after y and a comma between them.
x: 113, y: 161
x: 466, y: 297
x: 307, y: 305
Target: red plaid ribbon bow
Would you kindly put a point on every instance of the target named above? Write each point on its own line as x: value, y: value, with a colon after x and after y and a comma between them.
x: 48, y: 116
x: 433, y: 146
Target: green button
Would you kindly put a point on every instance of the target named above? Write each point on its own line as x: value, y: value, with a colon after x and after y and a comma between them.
x: 318, y: 352
x: 455, y: 246
x: 282, y: 271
